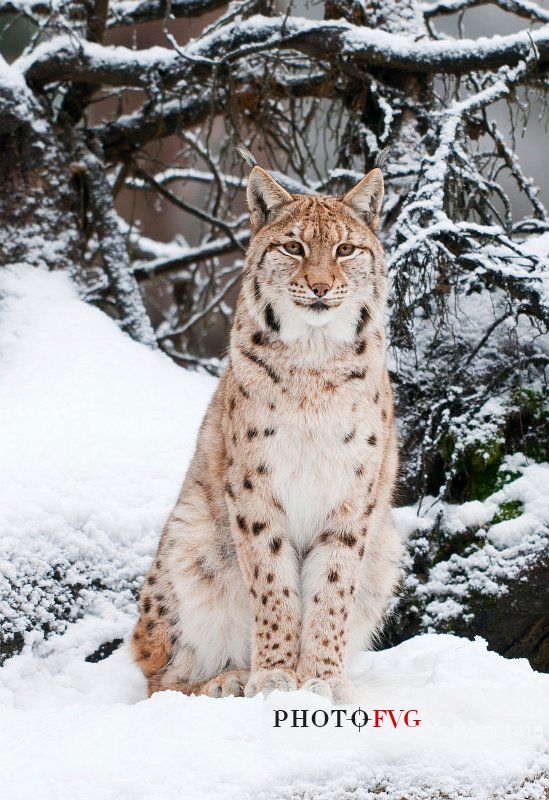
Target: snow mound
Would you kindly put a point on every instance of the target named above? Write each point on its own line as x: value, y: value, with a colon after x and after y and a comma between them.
x: 96, y: 432
x: 72, y: 729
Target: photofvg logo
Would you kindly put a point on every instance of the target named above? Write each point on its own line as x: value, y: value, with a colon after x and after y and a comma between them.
x: 338, y: 717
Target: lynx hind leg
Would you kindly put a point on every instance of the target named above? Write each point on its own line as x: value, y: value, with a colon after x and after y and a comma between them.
x: 229, y: 682
x: 150, y: 644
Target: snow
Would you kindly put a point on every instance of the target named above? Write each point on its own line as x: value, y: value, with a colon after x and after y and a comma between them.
x: 467, y: 515
x: 95, y: 435
x: 96, y: 432
x: 72, y: 729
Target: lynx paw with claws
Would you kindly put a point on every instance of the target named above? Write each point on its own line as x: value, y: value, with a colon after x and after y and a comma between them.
x: 339, y: 690
x: 227, y: 683
x: 269, y: 680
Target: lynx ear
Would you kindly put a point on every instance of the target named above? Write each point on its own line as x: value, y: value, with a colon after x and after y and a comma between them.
x: 366, y: 197
x: 265, y: 197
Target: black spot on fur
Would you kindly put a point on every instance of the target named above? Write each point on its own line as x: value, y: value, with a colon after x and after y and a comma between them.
x: 260, y: 363
x: 348, y: 539
x: 359, y: 471
x: 229, y: 490
x: 376, y: 396
x: 262, y: 469
x: 162, y: 611
x: 271, y: 318
x: 258, y: 338
x: 151, y: 579
x: 356, y: 375
x: 333, y: 577
x: 275, y: 544
x: 248, y: 484
x: 262, y: 206
x: 257, y: 290
x: 362, y: 320
x: 361, y: 347
x: 146, y: 605
x: 257, y: 527
x: 241, y: 522
x: 372, y: 440
x: 269, y: 432
x: 252, y: 433
x: 243, y: 392
x: 349, y: 436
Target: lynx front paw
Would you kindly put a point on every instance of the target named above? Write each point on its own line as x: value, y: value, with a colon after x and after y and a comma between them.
x: 339, y: 689
x: 269, y: 680
x: 232, y: 681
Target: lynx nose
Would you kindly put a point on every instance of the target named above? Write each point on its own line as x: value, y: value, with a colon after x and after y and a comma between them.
x: 320, y: 289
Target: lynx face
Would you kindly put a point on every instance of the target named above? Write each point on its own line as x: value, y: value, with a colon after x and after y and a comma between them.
x: 314, y: 261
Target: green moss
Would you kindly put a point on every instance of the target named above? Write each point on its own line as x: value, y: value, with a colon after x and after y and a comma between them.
x: 446, y: 446
x: 511, y: 509
x: 529, y: 424
x: 479, y: 467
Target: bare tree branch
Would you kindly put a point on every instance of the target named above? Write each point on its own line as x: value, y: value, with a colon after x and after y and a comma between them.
x: 154, y: 121
x: 188, y: 208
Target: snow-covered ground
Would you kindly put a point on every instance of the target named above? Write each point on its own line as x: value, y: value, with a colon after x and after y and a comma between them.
x: 74, y: 730
x: 95, y: 435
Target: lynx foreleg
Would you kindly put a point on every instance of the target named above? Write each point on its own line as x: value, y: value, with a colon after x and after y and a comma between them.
x: 330, y: 578
x: 270, y: 569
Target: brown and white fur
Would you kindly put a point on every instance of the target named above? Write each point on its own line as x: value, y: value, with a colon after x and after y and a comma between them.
x: 280, y: 557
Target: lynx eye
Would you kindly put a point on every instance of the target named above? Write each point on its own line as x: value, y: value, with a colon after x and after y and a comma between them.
x: 294, y: 248
x: 345, y: 249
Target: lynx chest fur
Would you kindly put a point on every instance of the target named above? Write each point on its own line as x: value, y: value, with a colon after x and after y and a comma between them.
x: 280, y: 556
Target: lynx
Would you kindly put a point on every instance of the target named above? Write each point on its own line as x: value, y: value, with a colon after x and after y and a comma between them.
x: 280, y: 557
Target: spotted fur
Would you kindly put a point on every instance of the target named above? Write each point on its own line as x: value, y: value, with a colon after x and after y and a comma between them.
x: 280, y: 556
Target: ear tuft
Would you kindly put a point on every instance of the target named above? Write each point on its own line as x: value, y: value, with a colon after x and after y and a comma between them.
x: 265, y: 197
x: 366, y: 197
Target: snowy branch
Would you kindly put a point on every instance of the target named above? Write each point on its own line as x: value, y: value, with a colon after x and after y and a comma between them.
x: 113, y: 251
x: 193, y: 255
x: 133, y: 13
x: 521, y: 8
x: 64, y: 59
x: 123, y: 12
